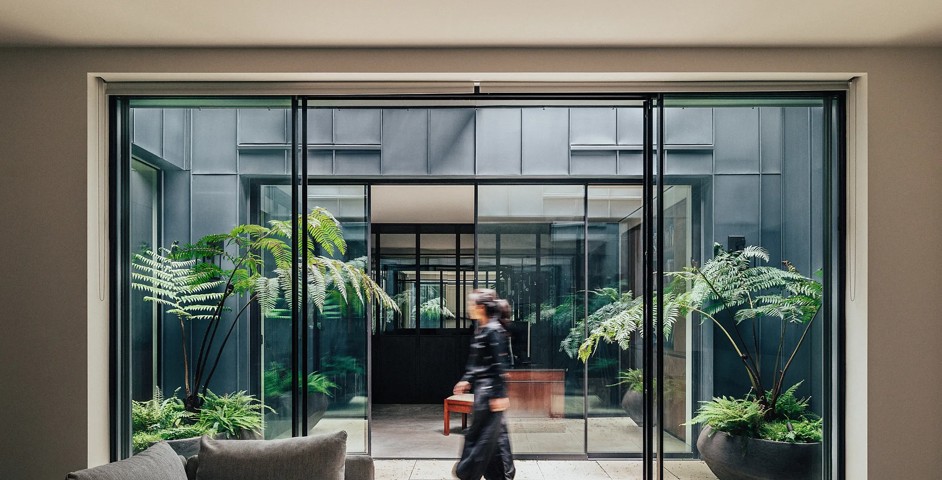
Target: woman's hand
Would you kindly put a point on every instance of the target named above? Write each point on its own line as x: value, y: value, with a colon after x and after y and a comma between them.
x: 461, y: 387
x: 499, y: 404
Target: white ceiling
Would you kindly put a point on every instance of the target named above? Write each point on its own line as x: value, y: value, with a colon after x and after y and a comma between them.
x: 431, y: 23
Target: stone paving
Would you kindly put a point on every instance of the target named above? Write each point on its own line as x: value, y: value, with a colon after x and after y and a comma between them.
x: 545, y: 470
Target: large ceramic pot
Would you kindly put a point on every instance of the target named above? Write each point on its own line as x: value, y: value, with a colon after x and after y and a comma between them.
x: 633, y: 404
x: 743, y: 458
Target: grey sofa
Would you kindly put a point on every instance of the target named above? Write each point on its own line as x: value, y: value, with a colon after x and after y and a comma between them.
x: 317, y: 457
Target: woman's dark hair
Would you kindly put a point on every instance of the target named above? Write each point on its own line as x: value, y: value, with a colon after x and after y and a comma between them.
x: 505, y: 313
x: 488, y: 298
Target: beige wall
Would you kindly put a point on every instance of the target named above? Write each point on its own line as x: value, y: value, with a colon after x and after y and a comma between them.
x: 44, y: 297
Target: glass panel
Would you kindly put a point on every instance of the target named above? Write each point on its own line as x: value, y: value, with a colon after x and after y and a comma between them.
x: 144, y: 195
x: 757, y: 214
x: 395, y: 254
x: 615, y: 267
x: 275, y: 205
x: 531, y: 252
x: 438, y: 292
x: 337, y: 331
x: 197, y: 340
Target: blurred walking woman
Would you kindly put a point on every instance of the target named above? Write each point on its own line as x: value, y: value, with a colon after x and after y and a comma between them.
x: 487, y: 365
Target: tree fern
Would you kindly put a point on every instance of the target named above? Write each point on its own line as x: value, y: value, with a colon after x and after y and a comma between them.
x: 729, y: 282
x: 196, y: 281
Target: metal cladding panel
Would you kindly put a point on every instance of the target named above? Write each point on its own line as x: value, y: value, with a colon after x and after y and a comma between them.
x: 771, y: 220
x: 592, y: 126
x: 148, y: 130
x: 263, y: 125
x: 594, y: 162
x: 176, y: 207
x: 358, y: 126
x: 263, y: 162
x: 356, y: 162
x: 320, y: 125
x: 174, y: 136
x: 688, y: 126
x: 771, y: 146
x: 688, y: 162
x: 799, y: 216
x: 451, y: 141
x: 632, y: 163
x: 405, y: 142
x: 214, y: 141
x: 319, y: 162
x: 545, y: 141
x: 796, y: 183
x: 736, y: 137
x: 630, y: 126
x: 215, y: 206
x: 736, y: 208
x: 497, y: 143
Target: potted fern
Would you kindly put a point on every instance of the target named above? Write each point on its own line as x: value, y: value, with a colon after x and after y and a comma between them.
x: 769, y: 433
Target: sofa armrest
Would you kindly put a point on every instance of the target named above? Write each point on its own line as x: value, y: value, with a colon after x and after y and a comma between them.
x: 358, y: 467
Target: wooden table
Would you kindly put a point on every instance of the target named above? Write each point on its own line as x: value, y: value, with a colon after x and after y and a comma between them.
x: 462, y: 404
x: 537, y: 392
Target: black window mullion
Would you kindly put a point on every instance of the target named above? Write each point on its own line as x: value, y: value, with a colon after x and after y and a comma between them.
x: 302, y: 230
x: 295, y: 274
x: 646, y: 277
x: 659, y: 286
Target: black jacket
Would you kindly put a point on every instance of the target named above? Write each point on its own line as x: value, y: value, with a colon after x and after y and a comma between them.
x: 488, y: 362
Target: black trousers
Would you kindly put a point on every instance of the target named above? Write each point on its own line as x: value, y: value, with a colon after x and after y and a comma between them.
x: 486, y: 449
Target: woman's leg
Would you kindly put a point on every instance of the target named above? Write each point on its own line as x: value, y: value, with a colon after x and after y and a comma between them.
x: 480, y: 445
x: 506, y: 454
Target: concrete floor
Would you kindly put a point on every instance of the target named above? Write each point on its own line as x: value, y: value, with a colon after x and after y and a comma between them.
x: 416, y: 431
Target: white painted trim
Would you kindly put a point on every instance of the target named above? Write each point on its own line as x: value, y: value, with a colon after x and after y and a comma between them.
x: 856, y: 386
x: 97, y: 291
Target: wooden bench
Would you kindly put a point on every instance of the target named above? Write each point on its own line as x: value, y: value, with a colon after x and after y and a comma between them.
x: 462, y: 404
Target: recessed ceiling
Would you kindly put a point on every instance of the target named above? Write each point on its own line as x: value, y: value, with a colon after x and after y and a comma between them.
x: 437, y: 23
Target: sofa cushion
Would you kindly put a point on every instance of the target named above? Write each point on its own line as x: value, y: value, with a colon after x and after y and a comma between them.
x: 317, y: 457
x: 159, y: 462
x: 358, y: 467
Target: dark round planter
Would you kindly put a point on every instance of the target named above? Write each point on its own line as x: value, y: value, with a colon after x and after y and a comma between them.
x: 316, y: 407
x: 633, y: 404
x: 743, y: 458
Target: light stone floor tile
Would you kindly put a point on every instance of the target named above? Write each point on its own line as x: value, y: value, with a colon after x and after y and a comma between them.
x: 393, y: 469
x: 528, y: 470
x: 433, y: 470
x: 546, y: 470
x: 623, y: 469
x: 582, y: 470
x: 689, y: 470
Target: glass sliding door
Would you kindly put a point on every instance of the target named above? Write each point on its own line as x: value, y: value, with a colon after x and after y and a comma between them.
x: 336, y: 327
x: 531, y: 251
x: 195, y: 170
x: 750, y: 175
x: 615, y: 386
